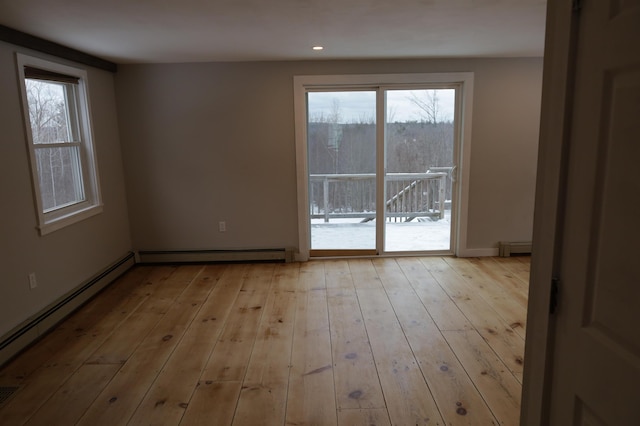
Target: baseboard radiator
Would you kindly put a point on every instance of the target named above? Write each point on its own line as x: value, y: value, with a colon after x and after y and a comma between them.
x: 32, y: 329
x: 196, y: 256
x: 506, y: 249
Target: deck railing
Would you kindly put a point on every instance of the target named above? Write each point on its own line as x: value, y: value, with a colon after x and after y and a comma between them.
x: 409, y: 196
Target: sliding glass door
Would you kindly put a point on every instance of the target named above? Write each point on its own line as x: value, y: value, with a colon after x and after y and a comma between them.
x: 380, y: 164
x: 341, y: 138
x: 419, y: 164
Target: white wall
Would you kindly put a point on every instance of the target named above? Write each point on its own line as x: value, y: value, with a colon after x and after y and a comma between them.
x: 506, y: 120
x: 65, y: 258
x: 215, y: 141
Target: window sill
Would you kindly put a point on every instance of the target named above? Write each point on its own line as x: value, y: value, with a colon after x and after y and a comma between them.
x: 63, y: 221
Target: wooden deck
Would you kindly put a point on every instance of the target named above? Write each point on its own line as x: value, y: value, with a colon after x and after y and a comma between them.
x: 402, y: 341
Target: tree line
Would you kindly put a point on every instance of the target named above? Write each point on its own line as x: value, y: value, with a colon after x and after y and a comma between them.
x: 350, y: 148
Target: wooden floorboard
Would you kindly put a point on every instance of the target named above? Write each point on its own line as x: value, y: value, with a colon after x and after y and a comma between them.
x: 386, y: 341
x: 356, y: 378
x: 452, y: 389
x: 311, y: 398
x: 166, y: 400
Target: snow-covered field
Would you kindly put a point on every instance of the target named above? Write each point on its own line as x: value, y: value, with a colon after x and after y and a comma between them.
x: 422, y: 235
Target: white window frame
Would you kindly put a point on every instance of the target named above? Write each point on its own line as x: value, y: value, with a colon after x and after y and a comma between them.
x: 304, y: 82
x: 58, y: 218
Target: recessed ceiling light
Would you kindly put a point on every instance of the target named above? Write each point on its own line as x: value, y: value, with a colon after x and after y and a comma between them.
x: 318, y: 48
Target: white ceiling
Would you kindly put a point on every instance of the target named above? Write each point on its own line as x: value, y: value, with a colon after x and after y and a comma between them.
x: 133, y: 31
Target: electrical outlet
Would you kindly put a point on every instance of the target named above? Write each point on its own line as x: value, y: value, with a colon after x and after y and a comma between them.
x: 33, y: 283
x: 222, y: 226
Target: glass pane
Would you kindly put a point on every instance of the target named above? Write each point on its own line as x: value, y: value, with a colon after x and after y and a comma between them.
x: 60, y: 178
x: 48, y: 111
x: 341, y: 141
x: 419, y: 163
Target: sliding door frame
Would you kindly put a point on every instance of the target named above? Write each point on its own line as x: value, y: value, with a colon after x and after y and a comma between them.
x: 464, y: 102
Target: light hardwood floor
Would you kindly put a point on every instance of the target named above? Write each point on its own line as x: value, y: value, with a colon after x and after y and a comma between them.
x: 402, y: 341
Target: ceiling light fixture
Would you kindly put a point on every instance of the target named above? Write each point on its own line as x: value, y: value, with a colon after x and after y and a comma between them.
x: 318, y: 48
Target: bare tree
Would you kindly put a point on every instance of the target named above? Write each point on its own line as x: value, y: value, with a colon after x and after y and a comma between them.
x: 46, y: 112
x: 429, y: 105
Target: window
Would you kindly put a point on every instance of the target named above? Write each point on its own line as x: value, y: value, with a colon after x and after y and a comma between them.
x: 64, y: 173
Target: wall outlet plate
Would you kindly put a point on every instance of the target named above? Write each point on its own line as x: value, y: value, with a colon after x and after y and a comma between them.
x: 33, y: 283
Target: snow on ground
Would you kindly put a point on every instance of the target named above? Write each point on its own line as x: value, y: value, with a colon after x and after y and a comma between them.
x: 421, y: 235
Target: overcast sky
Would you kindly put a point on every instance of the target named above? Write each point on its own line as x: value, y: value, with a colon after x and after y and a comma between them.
x: 359, y: 106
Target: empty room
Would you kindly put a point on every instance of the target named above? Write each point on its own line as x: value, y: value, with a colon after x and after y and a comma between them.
x: 317, y: 213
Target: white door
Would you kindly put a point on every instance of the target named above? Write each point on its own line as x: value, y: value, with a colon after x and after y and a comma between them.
x: 596, y: 349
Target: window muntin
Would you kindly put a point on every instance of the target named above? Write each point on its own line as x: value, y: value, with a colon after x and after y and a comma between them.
x: 60, y: 142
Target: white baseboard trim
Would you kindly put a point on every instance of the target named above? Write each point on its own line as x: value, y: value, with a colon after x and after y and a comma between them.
x: 35, y: 327
x: 480, y: 252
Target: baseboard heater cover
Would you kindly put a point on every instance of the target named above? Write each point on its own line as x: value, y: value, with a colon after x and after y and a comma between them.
x: 194, y: 256
x: 22, y: 336
x: 506, y: 248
